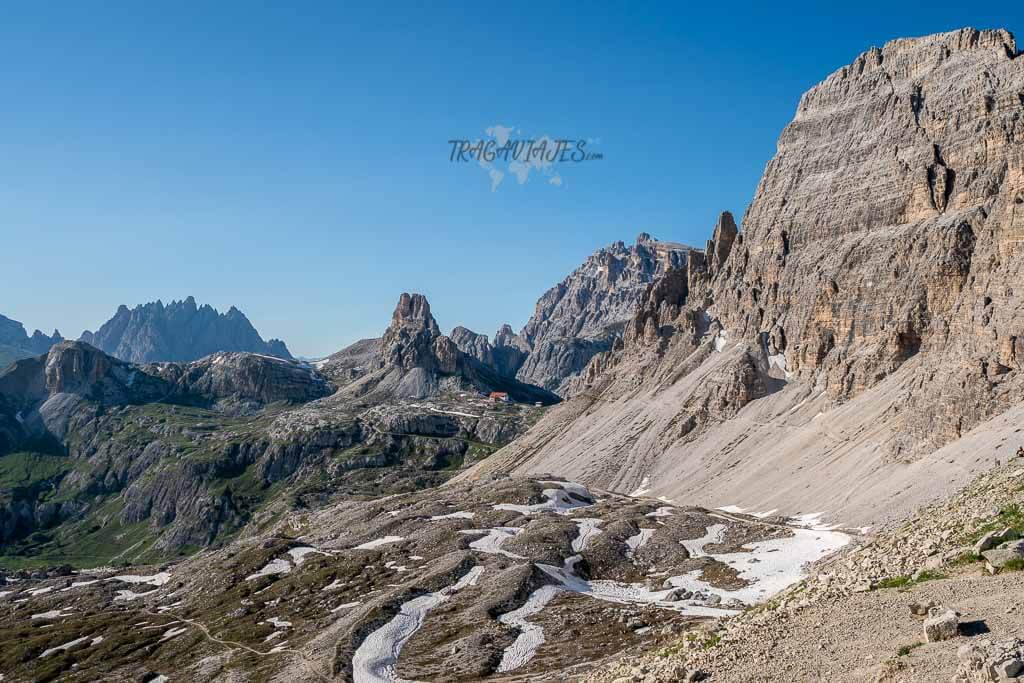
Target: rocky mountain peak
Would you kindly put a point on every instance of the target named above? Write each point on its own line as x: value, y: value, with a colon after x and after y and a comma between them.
x: 586, y: 312
x: 409, y: 340
x: 15, y: 342
x: 178, y: 331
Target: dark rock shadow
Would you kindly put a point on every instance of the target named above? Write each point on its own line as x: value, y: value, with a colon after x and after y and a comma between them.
x: 973, y: 628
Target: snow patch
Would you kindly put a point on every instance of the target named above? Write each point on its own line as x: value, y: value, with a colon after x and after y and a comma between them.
x: 495, y: 538
x: 156, y: 580
x: 298, y: 555
x: 531, y: 636
x: 454, y: 515
x: 634, y: 543
x: 345, y: 605
x: 557, y: 501
x: 278, y: 565
x: 643, y: 489
x: 376, y: 543
x: 588, y: 529
x: 714, y: 534
x: 65, y: 646
x: 375, y: 658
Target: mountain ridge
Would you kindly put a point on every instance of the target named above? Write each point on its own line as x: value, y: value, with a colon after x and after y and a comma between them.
x: 178, y: 331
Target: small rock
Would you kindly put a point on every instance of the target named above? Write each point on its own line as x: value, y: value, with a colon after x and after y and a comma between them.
x: 920, y: 609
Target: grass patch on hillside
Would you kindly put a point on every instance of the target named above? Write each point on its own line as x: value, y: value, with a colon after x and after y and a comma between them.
x: 966, y: 559
x: 1011, y: 516
x: 1014, y: 565
x: 904, y: 650
x: 904, y: 582
x: 24, y: 470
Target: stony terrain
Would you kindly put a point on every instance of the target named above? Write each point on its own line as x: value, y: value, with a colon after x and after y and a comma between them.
x: 852, y: 619
x: 513, y: 578
x: 179, y: 331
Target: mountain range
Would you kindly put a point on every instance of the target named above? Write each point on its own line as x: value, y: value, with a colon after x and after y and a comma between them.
x: 179, y: 331
x: 794, y: 454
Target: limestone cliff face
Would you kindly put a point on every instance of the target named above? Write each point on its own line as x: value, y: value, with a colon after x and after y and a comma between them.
x: 878, y: 266
x: 179, y: 331
x: 889, y: 224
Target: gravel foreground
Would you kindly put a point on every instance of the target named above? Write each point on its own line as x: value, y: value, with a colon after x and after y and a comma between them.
x: 851, y: 619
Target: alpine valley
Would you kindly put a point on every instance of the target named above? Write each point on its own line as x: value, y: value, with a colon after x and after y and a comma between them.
x: 794, y: 453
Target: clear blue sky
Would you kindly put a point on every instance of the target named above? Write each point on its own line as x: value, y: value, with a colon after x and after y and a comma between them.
x: 293, y: 160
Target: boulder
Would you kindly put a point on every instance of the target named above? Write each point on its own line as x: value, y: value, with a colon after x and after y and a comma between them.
x: 942, y: 624
x: 993, y: 539
x: 988, y: 660
x: 997, y: 558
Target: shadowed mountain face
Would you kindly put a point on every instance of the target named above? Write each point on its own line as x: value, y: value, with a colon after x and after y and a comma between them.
x: 15, y: 342
x: 179, y: 331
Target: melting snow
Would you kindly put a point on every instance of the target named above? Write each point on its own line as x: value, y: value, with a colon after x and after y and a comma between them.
x: 714, y: 534
x: 664, y: 511
x: 128, y: 595
x: 276, y: 566
x: 173, y: 633
x: 155, y: 580
x: 588, y: 528
x: 768, y: 567
x: 643, y: 489
x: 721, y: 339
x: 634, y: 543
x: 374, y: 660
x: 370, y: 545
x: 52, y: 614
x: 454, y: 515
x: 531, y: 636
x: 299, y: 554
x: 345, y: 605
x: 39, y: 591
x: 495, y: 538
x: 812, y: 520
x: 557, y: 500
x: 65, y: 646
x: 278, y: 623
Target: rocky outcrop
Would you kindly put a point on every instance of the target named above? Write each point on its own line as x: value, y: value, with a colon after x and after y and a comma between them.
x: 179, y: 331
x: 413, y: 360
x: 248, y: 380
x: 475, y: 345
x: 585, y: 313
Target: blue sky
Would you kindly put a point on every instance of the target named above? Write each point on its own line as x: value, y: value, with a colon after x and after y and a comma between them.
x: 293, y: 161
